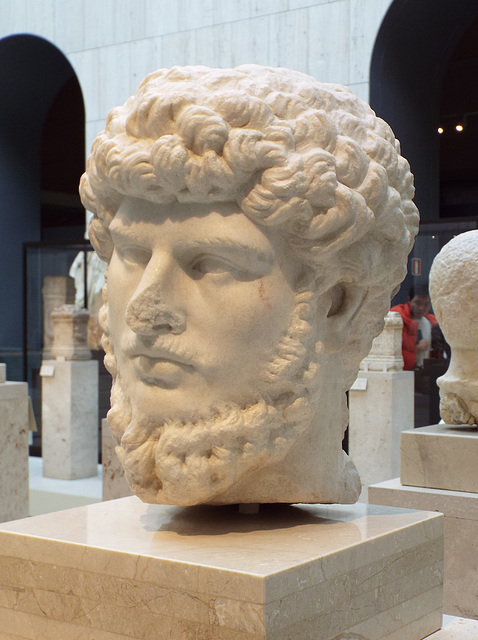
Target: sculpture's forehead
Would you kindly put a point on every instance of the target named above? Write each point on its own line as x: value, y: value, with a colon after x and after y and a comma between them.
x: 191, y: 222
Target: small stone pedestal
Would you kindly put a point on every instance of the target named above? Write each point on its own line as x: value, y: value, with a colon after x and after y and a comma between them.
x: 440, y: 457
x: 123, y: 569
x: 70, y: 419
x: 13, y: 450
x: 381, y: 405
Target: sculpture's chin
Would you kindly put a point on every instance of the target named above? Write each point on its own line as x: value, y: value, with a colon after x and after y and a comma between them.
x: 199, y: 462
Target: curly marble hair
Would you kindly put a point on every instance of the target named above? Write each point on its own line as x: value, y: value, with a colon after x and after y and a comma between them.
x: 290, y: 151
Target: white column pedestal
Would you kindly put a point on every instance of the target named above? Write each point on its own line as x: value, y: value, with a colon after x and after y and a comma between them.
x: 124, y: 569
x: 381, y: 406
x: 70, y: 419
x: 13, y: 450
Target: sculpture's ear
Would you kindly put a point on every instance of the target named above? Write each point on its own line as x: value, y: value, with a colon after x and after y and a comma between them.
x: 344, y: 302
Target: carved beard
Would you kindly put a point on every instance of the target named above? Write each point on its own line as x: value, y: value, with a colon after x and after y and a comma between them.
x: 186, y: 462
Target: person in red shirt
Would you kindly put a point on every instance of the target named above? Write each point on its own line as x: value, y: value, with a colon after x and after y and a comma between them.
x: 417, y: 327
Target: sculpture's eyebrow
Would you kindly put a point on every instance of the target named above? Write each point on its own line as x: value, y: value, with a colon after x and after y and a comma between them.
x: 119, y: 230
x: 228, y: 246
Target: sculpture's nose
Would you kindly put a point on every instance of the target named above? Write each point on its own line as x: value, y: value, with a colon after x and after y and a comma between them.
x: 154, y: 307
x: 147, y: 313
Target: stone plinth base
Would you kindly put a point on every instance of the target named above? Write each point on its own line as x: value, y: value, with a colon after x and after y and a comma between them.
x: 381, y: 407
x: 440, y: 457
x: 70, y: 419
x: 13, y: 450
x: 114, y: 482
x: 123, y: 569
x: 461, y: 537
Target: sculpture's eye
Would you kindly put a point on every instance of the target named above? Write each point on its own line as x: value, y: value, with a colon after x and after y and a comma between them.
x: 132, y: 254
x: 211, y: 264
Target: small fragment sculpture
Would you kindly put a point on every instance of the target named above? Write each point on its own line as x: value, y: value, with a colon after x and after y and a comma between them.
x: 256, y: 224
x: 454, y: 295
x: 70, y: 325
x: 386, y: 352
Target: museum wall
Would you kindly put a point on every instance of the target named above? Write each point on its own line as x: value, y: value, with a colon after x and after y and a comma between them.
x: 113, y: 44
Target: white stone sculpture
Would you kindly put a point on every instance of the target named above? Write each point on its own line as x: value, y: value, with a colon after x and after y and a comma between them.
x: 70, y: 325
x: 454, y: 294
x: 56, y: 291
x: 386, y: 352
x: 256, y: 223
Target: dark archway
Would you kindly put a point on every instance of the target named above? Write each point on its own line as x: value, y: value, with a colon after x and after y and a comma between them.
x: 417, y: 77
x: 37, y: 83
x: 409, y: 61
x: 459, y: 130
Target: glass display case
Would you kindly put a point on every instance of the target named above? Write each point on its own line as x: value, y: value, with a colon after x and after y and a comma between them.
x: 56, y: 274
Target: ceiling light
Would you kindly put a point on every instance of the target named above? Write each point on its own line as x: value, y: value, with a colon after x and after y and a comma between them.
x: 440, y: 129
x: 459, y: 128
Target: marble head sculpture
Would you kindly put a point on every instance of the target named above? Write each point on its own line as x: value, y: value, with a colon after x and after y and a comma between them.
x: 454, y: 293
x: 255, y: 223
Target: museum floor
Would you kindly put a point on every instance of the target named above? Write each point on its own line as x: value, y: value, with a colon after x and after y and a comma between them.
x: 49, y: 494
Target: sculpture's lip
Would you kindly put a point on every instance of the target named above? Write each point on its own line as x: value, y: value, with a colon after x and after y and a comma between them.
x: 165, y: 372
x: 149, y: 357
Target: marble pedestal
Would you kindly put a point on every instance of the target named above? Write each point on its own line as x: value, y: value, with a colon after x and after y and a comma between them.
x: 114, y: 482
x: 461, y: 537
x: 381, y: 407
x: 440, y: 457
x: 124, y: 569
x: 13, y: 450
x: 70, y: 419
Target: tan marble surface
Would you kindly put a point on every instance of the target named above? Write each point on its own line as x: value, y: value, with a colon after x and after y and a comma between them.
x: 461, y: 537
x: 70, y: 419
x: 3, y: 372
x: 114, y: 482
x: 13, y: 450
x: 126, y: 569
x: 440, y: 457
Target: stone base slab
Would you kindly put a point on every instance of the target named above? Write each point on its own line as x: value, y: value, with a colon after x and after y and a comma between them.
x: 461, y: 537
x: 440, y: 457
x: 123, y: 569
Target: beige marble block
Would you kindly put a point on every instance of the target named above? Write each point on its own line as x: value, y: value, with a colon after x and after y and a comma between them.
x: 114, y: 482
x: 461, y: 537
x: 3, y: 373
x: 70, y: 419
x: 381, y: 407
x: 13, y: 450
x: 127, y: 569
x: 440, y: 457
